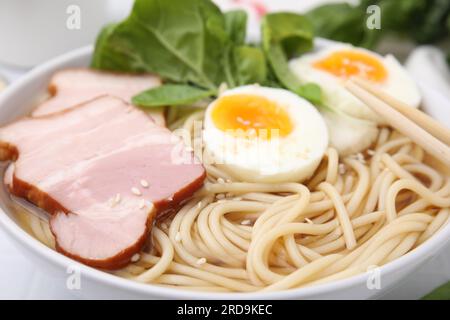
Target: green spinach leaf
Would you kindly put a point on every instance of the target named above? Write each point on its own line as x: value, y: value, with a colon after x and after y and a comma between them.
x: 171, y: 95
x: 345, y: 23
x: 292, y: 31
x: 431, y: 29
x: 420, y: 20
x: 248, y: 65
x: 197, y: 47
x: 236, y: 26
x: 285, y: 35
x: 182, y: 41
x: 101, y: 43
x: 243, y: 64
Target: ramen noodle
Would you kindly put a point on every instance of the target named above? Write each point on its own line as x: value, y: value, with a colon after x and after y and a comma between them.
x: 355, y: 213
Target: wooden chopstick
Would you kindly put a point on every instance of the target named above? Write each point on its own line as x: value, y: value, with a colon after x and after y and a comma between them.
x: 434, y: 127
x: 420, y: 136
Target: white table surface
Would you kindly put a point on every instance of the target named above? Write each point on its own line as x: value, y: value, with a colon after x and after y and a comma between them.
x: 20, y: 279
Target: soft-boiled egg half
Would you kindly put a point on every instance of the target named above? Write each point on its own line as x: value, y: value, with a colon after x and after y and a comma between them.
x: 331, y: 67
x: 262, y: 134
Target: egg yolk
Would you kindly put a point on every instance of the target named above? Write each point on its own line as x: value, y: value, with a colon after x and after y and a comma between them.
x: 251, y: 113
x: 347, y: 63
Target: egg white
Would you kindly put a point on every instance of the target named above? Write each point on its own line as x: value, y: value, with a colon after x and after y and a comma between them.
x: 398, y: 83
x: 291, y: 158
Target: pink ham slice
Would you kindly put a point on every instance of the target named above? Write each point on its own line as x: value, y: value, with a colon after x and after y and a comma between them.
x: 71, y: 87
x: 88, y: 167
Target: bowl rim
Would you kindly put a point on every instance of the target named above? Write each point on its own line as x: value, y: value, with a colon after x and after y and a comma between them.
x: 427, y: 249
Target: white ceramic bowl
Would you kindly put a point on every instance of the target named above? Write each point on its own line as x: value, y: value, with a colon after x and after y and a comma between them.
x: 19, y: 99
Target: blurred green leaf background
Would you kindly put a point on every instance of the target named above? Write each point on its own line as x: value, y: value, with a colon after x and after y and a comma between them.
x: 419, y: 21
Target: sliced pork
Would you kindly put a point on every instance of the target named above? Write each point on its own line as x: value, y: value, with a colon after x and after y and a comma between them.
x: 104, y: 170
x: 71, y: 87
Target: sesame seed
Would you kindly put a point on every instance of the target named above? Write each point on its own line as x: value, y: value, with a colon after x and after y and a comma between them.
x: 371, y: 152
x: 135, y: 257
x: 201, y: 261
x: 142, y: 204
x: 220, y: 196
x: 220, y: 180
x: 144, y: 183
x: 163, y: 225
x: 309, y: 221
x: 136, y: 191
x: 178, y: 237
x: 342, y: 168
x: 115, y: 200
x: 246, y: 222
x: 199, y: 204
